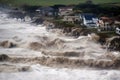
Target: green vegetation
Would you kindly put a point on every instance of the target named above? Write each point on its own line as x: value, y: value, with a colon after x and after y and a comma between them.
x: 65, y: 24
x: 111, y: 9
x: 107, y: 33
x: 53, y: 2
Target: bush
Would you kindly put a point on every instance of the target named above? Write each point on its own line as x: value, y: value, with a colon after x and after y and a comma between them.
x: 63, y: 23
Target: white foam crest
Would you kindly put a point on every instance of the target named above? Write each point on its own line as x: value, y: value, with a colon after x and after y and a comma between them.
x: 46, y: 73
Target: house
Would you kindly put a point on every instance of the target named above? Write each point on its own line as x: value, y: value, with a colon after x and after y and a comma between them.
x: 117, y: 21
x: 117, y: 24
x: 89, y: 20
x: 45, y: 11
x: 71, y: 19
x: 106, y: 23
x: 64, y: 11
x: 118, y: 30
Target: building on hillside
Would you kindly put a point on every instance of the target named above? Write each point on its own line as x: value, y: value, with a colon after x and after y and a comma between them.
x: 117, y: 21
x: 117, y: 24
x: 46, y: 11
x: 89, y: 20
x: 64, y: 11
x: 71, y: 19
x: 118, y: 30
x: 106, y: 23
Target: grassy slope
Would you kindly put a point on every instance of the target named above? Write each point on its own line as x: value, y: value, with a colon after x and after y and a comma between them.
x: 52, y: 2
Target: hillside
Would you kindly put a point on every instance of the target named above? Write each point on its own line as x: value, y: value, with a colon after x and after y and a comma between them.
x: 53, y: 2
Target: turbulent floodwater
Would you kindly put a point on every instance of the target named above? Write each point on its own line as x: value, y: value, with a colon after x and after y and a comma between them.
x: 27, y: 44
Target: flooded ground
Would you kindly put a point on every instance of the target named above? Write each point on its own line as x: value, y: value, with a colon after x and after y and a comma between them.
x: 30, y: 52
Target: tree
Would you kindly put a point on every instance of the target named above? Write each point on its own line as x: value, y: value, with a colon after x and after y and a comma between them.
x: 89, y: 2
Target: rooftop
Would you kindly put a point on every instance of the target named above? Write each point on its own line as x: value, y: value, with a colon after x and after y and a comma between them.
x: 89, y: 16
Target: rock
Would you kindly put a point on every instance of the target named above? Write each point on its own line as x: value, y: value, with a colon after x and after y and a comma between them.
x: 116, y: 62
x: 7, y: 44
x: 35, y: 46
x: 24, y: 69
x: 38, y: 21
x: 4, y: 57
x: 113, y: 43
x: 27, y: 19
x: 102, y: 38
x: 95, y: 37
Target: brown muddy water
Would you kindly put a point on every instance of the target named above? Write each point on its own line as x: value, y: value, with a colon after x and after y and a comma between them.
x: 27, y: 49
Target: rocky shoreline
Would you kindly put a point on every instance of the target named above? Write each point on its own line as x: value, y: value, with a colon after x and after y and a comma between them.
x: 112, y: 43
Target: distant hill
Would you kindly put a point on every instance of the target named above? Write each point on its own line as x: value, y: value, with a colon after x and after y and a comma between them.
x: 53, y: 2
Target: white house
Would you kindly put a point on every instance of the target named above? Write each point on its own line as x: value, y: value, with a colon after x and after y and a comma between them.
x: 118, y: 30
x: 89, y: 20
